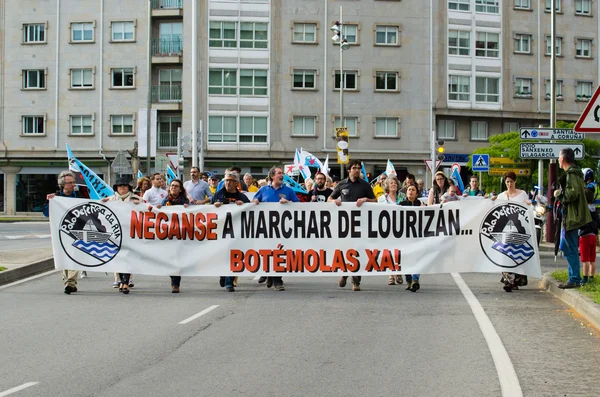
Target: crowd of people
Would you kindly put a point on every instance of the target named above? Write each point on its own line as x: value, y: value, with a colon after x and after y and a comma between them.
x: 202, y: 189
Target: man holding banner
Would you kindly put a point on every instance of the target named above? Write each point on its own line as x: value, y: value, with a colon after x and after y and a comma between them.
x: 156, y: 194
x: 197, y: 190
x: 352, y: 190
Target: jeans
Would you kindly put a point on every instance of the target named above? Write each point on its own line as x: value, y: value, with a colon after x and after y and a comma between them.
x: 571, y: 251
x: 415, y: 277
x: 175, y: 281
x: 229, y: 281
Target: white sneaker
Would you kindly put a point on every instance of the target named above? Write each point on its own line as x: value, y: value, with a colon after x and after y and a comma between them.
x: 83, y: 274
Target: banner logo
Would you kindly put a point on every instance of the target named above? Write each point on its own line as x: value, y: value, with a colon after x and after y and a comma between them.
x: 504, y: 234
x: 90, y: 234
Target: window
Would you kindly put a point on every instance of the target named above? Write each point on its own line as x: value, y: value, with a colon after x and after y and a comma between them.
x: 486, y: 45
x: 122, y: 78
x: 488, y: 6
x: 169, y: 89
x: 253, y: 130
x: 223, y: 35
x: 167, y: 131
x: 459, y: 42
x: 459, y: 88
x: 584, y: 48
x: 82, y: 78
x: 583, y: 7
x: 350, y: 80
x: 487, y: 89
x: 82, y: 32
x: 558, y: 46
x: 523, y: 4
x: 523, y: 43
x: 304, y: 125
x: 510, y: 127
x: 479, y: 130
x: 386, y: 127
x: 33, y: 125
x: 523, y: 87
x: 253, y: 82
x: 386, y: 81
x: 121, y: 124
x: 583, y: 90
x: 81, y: 125
x: 34, y: 33
x: 170, y: 42
x: 253, y: 35
x: 304, y: 79
x: 350, y: 33
x: 222, y: 82
x: 386, y: 35
x: 305, y: 33
x: 559, y: 86
x: 349, y: 122
x: 123, y: 31
x: 446, y: 129
x: 34, y: 79
x: 222, y: 129
x: 459, y: 5
x: 549, y: 5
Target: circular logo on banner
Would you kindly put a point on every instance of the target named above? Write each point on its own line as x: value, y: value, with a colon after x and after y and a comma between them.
x: 90, y: 234
x: 503, y: 234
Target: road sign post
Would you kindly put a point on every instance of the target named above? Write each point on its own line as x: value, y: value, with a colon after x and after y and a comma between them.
x: 589, y: 121
x: 550, y: 134
x: 549, y: 150
x: 480, y: 162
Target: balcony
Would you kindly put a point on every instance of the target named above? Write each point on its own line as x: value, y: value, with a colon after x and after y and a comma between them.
x: 167, y: 8
x: 166, y: 97
x: 167, y: 50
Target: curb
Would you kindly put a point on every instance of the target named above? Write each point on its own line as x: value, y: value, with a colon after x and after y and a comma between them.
x: 581, y: 303
x: 12, y: 275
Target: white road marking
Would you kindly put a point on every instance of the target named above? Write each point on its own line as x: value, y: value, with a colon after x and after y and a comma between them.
x: 195, y: 316
x: 28, y: 279
x: 18, y: 388
x: 14, y: 237
x: 509, y: 382
x: 256, y: 278
x: 43, y: 235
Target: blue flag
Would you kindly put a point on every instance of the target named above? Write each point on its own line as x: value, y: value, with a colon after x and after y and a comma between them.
x: 458, y: 180
x: 97, y: 187
x: 294, y: 185
x: 170, y: 175
x: 364, y: 171
x: 140, y: 175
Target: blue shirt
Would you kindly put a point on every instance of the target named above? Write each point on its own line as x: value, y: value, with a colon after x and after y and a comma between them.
x: 268, y: 194
x: 197, y: 191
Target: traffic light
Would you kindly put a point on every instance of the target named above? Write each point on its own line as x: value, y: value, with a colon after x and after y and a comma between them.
x: 180, y: 162
x: 440, y: 149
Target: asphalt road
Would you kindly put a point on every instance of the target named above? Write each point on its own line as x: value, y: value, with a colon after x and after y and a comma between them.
x: 314, y: 339
x: 23, y: 235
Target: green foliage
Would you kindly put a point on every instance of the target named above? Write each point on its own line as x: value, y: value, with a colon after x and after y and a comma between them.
x: 2, y: 268
x: 591, y: 289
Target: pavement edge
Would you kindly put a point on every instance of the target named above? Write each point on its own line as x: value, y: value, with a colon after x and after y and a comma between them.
x: 581, y: 303
x: 12, y: 275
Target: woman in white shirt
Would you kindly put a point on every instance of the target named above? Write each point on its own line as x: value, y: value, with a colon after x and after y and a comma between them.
x: 392, y: 195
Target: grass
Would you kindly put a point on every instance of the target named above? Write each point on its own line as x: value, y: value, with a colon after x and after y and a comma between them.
x: 591, y: 289
x: 2, y: 268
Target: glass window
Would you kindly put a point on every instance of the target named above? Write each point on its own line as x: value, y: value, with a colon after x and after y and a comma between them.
x: 170, y: 42
x: 81, y: 125
x: 81, y: 32
x: 549, y: 5
x: 34, y: 79
x: 386, y: 127
x: 479, y: 130
x: 305, y: 33
x: 523, y: 87
x: 487, y: 45
x: 253, y: 129
x: 121, y: 124
x: 167, y: 131
x: 349, y: 122
x: 82, y: 78
x: 510, y: 127
x: 254, y: 35
x: 558, y: 46
x: 459, y: 42
x: 459, y: 88
x: 487, y: 6
x: 122, y: 78
x: 122, y: 31
x: 459, y: 5
x: 222, y: 129
x: 169, y: 89
x: 350, y: 33
x: 34, y: 33
x: 583, y: 90
x: 523, y: 4
x: 350, y: 80
x: 222, y: 82
x: 559, y: 85
x: 33, y: 125
x: 304, y: 79
x: 253, y: 82
x: 523, y: 43
x: 583, y: 7
x: 386, y: 81
x: 487, y: 89
x: 584, y: 48
x: 304, y: 125
x: 447, y: 129
x: 223, y: 34
x: 387, y: 35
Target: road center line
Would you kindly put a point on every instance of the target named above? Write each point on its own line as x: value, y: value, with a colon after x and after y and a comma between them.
x: 18, y: 388
x: 28, y: 279
x: 509, y: 382
x: 195, y: 316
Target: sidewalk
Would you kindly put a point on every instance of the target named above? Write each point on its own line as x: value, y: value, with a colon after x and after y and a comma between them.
x: 21, y: 264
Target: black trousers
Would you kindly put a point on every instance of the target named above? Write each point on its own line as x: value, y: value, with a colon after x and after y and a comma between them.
x: 124, y: 277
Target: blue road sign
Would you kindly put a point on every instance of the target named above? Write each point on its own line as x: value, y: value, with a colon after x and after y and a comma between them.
x: 481, y: 162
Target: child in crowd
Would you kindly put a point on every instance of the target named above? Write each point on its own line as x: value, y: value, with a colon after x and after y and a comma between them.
x: 450, y: 195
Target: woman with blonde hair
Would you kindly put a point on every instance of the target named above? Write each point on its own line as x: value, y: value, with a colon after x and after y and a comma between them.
x: 392, y: 195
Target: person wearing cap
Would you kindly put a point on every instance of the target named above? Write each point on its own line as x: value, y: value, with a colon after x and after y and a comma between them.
x: 229, y: 195
x: 123, y: 193
x: 213, y: 181
x: 198, y: 191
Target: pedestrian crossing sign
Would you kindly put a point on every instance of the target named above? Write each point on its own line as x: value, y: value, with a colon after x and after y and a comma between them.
x: 480, y: 162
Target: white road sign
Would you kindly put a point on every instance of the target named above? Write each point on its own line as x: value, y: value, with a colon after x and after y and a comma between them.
x: 549, y: 150
x: 589, y: 121
x: 550, y: 134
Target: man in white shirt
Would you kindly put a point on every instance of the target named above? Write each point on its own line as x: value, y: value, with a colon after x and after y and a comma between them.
x: 155, y: 195
x: 198, y: 191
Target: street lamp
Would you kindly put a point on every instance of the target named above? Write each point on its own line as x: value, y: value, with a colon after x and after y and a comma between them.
x: 342, y: 42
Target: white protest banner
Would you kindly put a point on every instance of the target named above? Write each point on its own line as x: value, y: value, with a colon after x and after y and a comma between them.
x: 294, y: 239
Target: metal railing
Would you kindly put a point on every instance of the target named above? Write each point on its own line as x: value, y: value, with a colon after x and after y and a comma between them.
x: 166, y: 93
x: 166, y: 4
x: 167, y: 47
